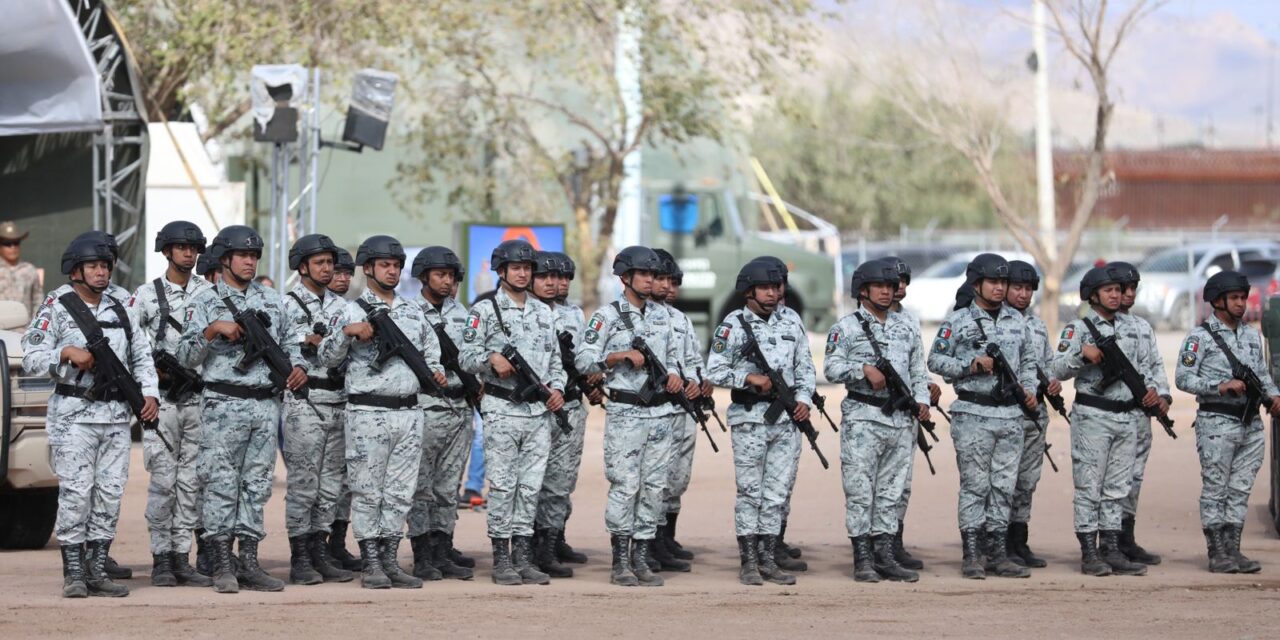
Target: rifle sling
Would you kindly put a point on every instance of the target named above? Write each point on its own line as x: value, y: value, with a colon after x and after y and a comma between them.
x: 89, y: 325
x: 166, y: 320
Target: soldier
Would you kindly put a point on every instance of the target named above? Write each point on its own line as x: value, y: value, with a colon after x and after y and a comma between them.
x: 88, y: 438
x: 876, y: 449
x: 1215, y: 359
x: 986, y: 421
x: 344, y: 267
x: 1023, y: 283
x: 900, y: 552
x: 671, y: 555
x: 638, y: 425
x: 1104, y: 421
x: 1142, y: 449
x: 448, y: 430
x: 565, y: 455
x: 313, y: 445
x: 517, y: 429
x: 19, y: 281
x: 208, y: 268
x: 115, y: 291
x: 173, y: 494
x: 572, y: 322
x: 240, y: 408
x: 384, y: 422
x: 765, y: 455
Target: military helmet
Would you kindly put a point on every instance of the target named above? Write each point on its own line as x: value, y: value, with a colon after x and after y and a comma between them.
x: 310, y: 245
x: 987, y: 266
x: 105, y: 238
x: 1022, y: 272
x: 180, y: 232
x: 509, y: 251
x: 636, y: 258
x: 776, y: 263
x: 546, y: 263
x: 757, y: 272
x: 904, y: 269
x: 883, y: 270
x: 1224, y: 282
x: 206, y: 263
x: 236, y: 237
x: 567, y: 266
x: 670, y: 266
x: 1098, y: 277
x: 343, y: 261
x: 1128, y: 272
x: 435, y: 257
x: 380, y: 246
x: 85, y: 249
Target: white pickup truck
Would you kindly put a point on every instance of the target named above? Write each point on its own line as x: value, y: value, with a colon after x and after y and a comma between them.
x: 28, y: 486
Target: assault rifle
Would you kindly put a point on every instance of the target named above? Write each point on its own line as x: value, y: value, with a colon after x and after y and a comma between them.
x: 530, y: 388
x: 784, y: 397
x: 657, y: 379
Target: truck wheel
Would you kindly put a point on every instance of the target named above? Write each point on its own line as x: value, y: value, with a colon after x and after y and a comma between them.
x: 27, y: 517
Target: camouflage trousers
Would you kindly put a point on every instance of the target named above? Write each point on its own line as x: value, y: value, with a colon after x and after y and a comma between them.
x: 637, y: 451
x: 987, y: 454
x: 515, y: 458
x: 1230, y: 456
x: 1141, y: 451
x: 342, y: 510
x: 384, y: 448
x: 173, y: 492
x: 92, y: 465
x: 684, y: 438
x: 446, y: 441
x: 765, y: 460
x: 1030, y: 466
x: 910, y: 464
x: 1102, y: 444
x: 238, y: 452
x: 314, y: 451
x: 563, y: 463
x: 874, y: 459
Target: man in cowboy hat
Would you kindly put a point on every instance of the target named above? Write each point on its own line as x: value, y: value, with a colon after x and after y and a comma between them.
x: 19, y: 281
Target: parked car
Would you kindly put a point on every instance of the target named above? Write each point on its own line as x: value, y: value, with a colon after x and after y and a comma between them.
x: 933, y: 291
x: 28, y: 486
x: 918, y: 257
x: 1172, y: 278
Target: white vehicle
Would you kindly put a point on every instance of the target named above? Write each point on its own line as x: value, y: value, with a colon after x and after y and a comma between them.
x: 932, y: 293
x: 28, y: 486
x: 1171, y: 279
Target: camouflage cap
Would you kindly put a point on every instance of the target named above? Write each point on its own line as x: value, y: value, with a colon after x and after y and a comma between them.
x: 9, y: 231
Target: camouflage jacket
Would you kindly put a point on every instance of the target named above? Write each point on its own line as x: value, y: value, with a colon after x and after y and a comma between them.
x: 20, y: 283
x: 785, y: 346
x: 961, y: 339
x: 1070, y: 363
x: 531, y: 329
x: 218, y: 357
x: 395, y: 378
x: 849, y: 348
x: 569, y: 319
x: 1202, y: 365
x: 607, y: 332
x: 302, y: 320
x: 454, y: 317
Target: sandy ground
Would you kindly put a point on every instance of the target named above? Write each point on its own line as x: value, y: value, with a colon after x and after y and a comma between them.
x: 1176, y: 599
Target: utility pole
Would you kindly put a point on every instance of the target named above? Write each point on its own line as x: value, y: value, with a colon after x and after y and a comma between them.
x: 1044, y: 140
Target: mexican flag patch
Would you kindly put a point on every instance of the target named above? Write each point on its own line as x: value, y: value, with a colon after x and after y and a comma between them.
x: 1068, y: 332
x: 474, y: 322
x: 596, y: 323
x: 1192, y: 345
x: 722, y: 331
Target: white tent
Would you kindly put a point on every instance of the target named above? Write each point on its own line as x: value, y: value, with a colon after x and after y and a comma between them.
x: 48, y: 82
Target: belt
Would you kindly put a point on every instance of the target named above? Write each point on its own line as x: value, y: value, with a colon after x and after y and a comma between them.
x: 196, y: 387
x: 386, y: 402
x: 79, y: 392
x: 1224, y: 408
x: 986, y: 399
x: 327, y: 384
x: 1106, y: 404
x: 627, y: 397
x: 747, y: 399
x: 453, y: 393
x: 867, y: 399
x: 241, y: 391
x: 503, y: 393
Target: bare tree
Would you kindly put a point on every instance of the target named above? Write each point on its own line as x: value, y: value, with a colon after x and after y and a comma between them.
x: 957, y: 112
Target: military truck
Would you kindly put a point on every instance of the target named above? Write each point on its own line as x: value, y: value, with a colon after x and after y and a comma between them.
x: 28, y: 486
x: 1271, y: 335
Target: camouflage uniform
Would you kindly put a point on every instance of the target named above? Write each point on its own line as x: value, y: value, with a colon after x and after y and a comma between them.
x: 1142, y: 447
x: 1033, y: 431
x: 20, y: 283
x: 173, y: 494
x: 383, y: 444
x: 517, y: 435
x: 1102, y: 439
x: 314, y: 446
x: 765, y: 456
x: 446, y: 436
x: 875, y: 449
x: 988, y: 439
x: 637, y: 439
x: 565, y: 458
x: 684, y: 434
x: 238, y: 447
x: 1230, y: 452
x: 88, y: 441
x: 914, y: 321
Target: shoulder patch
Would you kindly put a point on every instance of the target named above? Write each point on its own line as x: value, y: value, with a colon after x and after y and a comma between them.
x: 1068, y: 332
x: 718, y: 346
x: 1063, y: 345
x: 1192, y: 345
x: 596, y: 323
x: 942, y: 345
x: 944, y: 332
x: 723, y: 331
x: 1188, y: 358
x: 191, y: 312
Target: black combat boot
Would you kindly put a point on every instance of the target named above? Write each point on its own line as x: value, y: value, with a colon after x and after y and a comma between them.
x: 113, y: 568
x: 669, y: 532
x: 338, y: 546
x: 663, y: 556
x: 186, y: 574
x: 458, y: 558
x: 522, y: 561
x: 641, y: 563
x: 1130, y: 547
x: 566, y: 553
x: 73, y: 582
x: 503, y: 573
x: 749, y: 556
x: 864, y: 567
x: 162, y: 570
x: 792, y: 552
x: 388, y: 553
x: 373, y: 577
x: 251, y: 574
x: 544, y: 554
x: 1220, y: 558
x: 788, y: 557
x: 1018, y: 549
x: 622, y: 574
x: 1090, y: 563
x: 1231, y: 534
x: 301, y: 570
x: 769, y: 569
x: 886, y: 564
x: 204, y: 556
x: 440, y: 558
x: 326, y: 566
x: 900, y: 553
x: 96, y: 577
x: 998, y: 561
x: 223, y: 566
x: 422, y: 546
x: 971, y: 566
x: 1109, y: 551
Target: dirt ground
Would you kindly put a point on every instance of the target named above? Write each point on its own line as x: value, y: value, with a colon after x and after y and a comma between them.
x: 1176, y: 599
